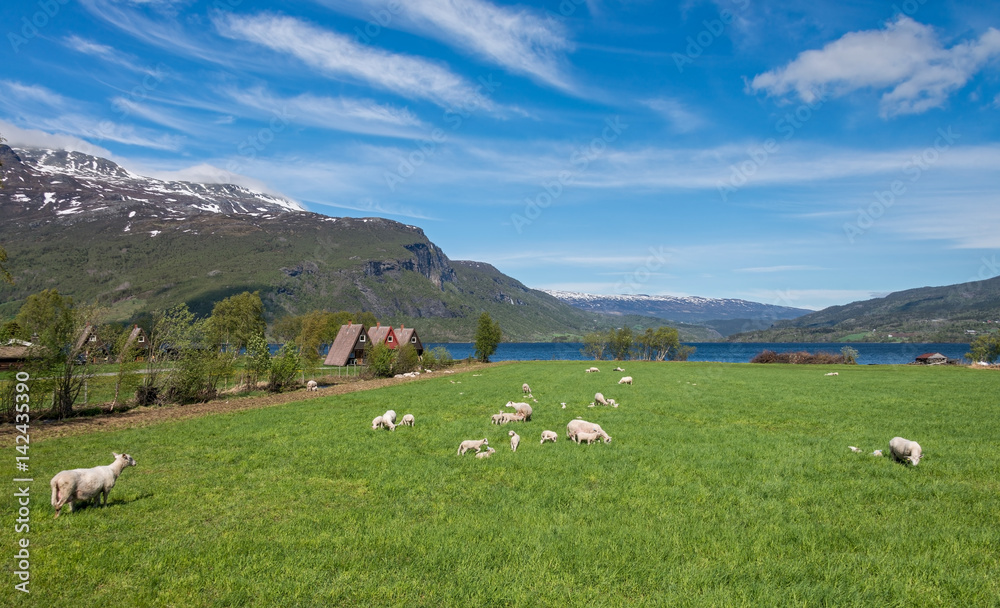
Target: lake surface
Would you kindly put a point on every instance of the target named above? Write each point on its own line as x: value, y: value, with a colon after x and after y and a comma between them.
x: 726, y: 352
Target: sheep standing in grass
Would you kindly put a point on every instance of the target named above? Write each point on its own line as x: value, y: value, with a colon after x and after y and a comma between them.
x: 549, y: 436
x: 389, y: 415
x: 618, y: 369
x: 498, y: 418
x: 515, y: 440
x: 407, y: 420
x: 587, y: 438
x: 485, y: 454
x: 472, y: 444
x: 377, y: 423
x: 510, y: 417
x: 526, y: 389
x: 626, y: 380
x: 904, y: 450
x: 599, y: 398
x: 591, y: 370
x: 85, y: 485
x: 312, y: 386
x: 521, y: 408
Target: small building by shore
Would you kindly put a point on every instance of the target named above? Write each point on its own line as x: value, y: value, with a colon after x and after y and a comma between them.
x: 932, y: 359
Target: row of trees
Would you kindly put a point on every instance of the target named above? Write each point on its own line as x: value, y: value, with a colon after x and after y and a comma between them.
x: 985, y: 348
x: 661, y: 344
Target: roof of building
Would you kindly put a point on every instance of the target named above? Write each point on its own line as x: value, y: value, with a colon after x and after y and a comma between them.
x: 931, y: 356
x: 14, y: 352
x: 343, y: 344
x: 380, y: 333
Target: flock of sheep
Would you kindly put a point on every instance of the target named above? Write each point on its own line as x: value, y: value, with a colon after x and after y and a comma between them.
x: 94, y: 484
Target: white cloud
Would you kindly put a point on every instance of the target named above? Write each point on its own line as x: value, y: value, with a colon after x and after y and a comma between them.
x: 340, y: 56
x: 101, y: 51
x: 682, y: 119
x: 907, y: 58
x: 515, y: 38
x: 33, y: 138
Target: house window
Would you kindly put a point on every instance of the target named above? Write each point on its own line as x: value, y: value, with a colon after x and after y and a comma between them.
x: 362, y: 339
x: 142, y: 338
x: 413, y: 340
x: 93, y: 338
x: 389, y: 339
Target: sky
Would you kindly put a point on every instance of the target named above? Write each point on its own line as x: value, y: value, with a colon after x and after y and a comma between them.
x: 795, y: 153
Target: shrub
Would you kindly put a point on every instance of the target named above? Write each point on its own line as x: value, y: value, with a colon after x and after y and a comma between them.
x: 406, y: 359
x: 284, y: 366
x: 799, y: 357
x: 850, y: 355
x: 379, y: 361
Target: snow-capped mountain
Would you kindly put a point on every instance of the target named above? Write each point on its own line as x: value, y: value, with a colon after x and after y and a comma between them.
x: 690, y: 309
x: 64, y: 183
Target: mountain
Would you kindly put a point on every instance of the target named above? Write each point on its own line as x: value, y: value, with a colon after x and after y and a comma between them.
x: 952, y: 313
x: 726, y: 316
x: 133, y: 244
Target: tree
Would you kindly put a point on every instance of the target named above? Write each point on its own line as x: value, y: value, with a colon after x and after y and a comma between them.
x: 236, y: 319
x: 4, y: 273
x: 284, y: 366
x: 488, y: 335
x: 620, y: 343
x: 126, y: 351
x: 318, y: 328
x: 594, y: 345
x: 406, y: 359
x: 985, y: 348
x: 258, y: 363
x: 170, y: 335
x: 379, y: 359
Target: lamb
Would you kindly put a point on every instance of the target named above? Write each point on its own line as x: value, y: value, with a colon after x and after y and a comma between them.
x: 877, y: 453
x: 904, y: 450
x: 515, y: 439
x: 582, y: 426
x: 407, y: 420
x: 612, y: 403
x: 389, y: 415
x: 312, y: 386
x: 599, y: 398
x: 618, y: 369
x: 87, y: 484
x: 549, y: 436
x: 854, y: 449
x: 626, y: 380
x: 591, y: 370
x: 472, y: 444
x: 589, y: 438
x: 521, y: 408
x: 506, y: 417
x: 832, y: 374
x: 485, y: 454
x: 498, y: 418
x: 526, y: 389
x: 377, y: 423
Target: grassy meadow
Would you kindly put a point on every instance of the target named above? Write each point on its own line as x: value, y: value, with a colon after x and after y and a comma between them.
x: 724, y: 485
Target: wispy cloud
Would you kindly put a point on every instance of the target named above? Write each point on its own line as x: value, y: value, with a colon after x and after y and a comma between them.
x: 790, y: 268
x: 519, y: 40
x: 33, y: 138
x: 681, y: 118
x: 907, y: 58
x: 340, y: 56
x: 101, y: 51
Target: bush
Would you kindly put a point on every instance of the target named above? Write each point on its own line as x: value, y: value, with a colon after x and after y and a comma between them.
x: 284, y: 367
x: 799, y: 357
x: 379, y: 361
x: 437, y: 358
x: 850, y: 355
x: 405, y: 360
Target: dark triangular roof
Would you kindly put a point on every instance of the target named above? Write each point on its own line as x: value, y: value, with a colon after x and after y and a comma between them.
x: 345, y: 344
x: 405, y: 335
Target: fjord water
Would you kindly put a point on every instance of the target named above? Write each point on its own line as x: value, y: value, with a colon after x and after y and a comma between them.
x: 726, y: 352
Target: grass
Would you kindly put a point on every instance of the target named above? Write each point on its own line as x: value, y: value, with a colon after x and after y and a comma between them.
x: 725, y: 485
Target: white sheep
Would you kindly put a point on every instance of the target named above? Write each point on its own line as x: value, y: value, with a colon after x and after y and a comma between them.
x: 389, y: 415
x: 87, y: 484
x: 498, y: 418
x: 854, y: 449
x: 904, y: 450
x: 312, y: 386
x: 832, y: 374
x: 525, y: 388
x: 612, y: 403
x: 506, y: 417
x: 591, y: 370
x: 377, y: 423
x: 407, y: 420
x: 618, y: 369
x: 521, y: 408
x: 485, y: 454
x: 472, y: 444
x: 877, y: 453
x: 582, y: 426
x: 589, y: 438
x: 549, y: 436
x: 626, y: 380
x: 515, y: 439
x: 599, y: 398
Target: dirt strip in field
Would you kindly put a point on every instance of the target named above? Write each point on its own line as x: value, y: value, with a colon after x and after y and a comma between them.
x: 146, y: 416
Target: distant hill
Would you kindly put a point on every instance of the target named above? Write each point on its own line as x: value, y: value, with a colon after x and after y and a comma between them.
x: 133, y: 244
x: 927, y: 314
x: 725, y: 316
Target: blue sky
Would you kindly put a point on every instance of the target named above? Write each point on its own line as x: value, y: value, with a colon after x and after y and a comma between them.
x: 796, y: 153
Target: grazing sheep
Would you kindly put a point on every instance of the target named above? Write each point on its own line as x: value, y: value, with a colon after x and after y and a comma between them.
x: 599, y: 398
x: 521, y: 408
x: 832, y: 374
x: 498, y: 418
x: 612, y: 403
x: 549, y: 436
x: 515, y: 439
x: 506, y: 417
x: 904, y: 450
x: 472, y: 444
x: 854, y: 449
x: 377, y: 423
x: 87, y: 484
x: 525, y: 388
x: 312, y: 386
x: 589, y: 438
x: 591, y: 370
x: 485, y: 454
x: 582, y: 426
x: 626, y: 380
x: 618, y: 369
x: 407, y: 420
x: 877, y: 453
x: 389, y: 415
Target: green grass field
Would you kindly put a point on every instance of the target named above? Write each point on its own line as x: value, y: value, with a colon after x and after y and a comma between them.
x: 724, y: 485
